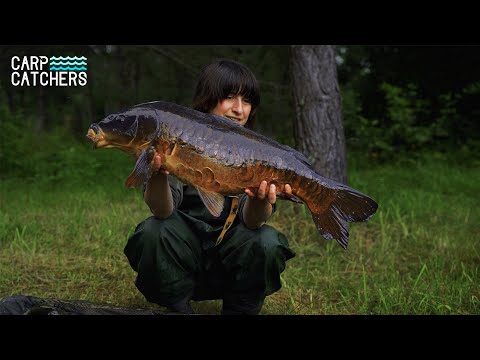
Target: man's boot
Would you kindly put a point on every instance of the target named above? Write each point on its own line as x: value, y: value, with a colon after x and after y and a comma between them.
x: 183, y: 305
x: 239, y: 305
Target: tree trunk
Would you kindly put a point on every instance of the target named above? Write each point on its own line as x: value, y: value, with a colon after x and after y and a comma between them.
x: 319, y: 131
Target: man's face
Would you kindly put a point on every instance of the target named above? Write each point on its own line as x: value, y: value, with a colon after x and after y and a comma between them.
x: 235, y: 107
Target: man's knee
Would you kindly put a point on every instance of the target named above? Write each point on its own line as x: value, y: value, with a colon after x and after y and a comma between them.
x: 146, y: 238
x: 155, y: 225
x: 266, y: 240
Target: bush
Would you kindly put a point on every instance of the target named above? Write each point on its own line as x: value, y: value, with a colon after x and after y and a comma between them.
x: 56, y: 158
x: 408, y: 127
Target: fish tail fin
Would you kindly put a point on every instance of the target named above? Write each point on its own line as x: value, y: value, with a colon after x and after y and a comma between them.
x: 333, y: 205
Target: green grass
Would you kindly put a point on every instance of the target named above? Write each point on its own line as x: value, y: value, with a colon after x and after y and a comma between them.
x: 63, y: 237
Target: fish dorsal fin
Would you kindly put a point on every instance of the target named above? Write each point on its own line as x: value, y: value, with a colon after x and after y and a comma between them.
x: 142, y: 170
x: 212, y: 200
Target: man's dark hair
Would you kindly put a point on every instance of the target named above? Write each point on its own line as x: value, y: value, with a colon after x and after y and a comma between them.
x: 222, y: 78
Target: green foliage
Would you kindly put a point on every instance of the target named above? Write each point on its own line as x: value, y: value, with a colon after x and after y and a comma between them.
x: 447, y: 116
x: 14, y: 135
x: 407, y: 126
x: 55, y: 158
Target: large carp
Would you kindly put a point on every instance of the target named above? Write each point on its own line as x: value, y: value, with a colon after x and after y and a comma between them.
x: 221, y: 158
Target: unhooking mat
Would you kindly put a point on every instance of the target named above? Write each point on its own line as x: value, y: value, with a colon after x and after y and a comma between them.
x: 30, y: 305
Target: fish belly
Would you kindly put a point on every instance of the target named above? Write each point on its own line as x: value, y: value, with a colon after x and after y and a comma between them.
x: 208, y: 173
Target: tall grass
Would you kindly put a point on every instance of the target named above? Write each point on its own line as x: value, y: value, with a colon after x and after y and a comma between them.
x: 62, y: 235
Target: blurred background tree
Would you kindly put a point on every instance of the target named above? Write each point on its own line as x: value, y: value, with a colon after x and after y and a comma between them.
x: 319, y: 127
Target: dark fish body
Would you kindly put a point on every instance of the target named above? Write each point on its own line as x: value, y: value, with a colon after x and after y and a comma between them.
x: 221, y: 158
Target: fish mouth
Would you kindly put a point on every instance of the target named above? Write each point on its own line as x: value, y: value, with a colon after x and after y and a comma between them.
x: 96, y: 135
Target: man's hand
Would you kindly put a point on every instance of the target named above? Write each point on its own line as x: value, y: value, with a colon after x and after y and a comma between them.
x: 258, y: 207
x: 262, y: 194
x: 156, y: 165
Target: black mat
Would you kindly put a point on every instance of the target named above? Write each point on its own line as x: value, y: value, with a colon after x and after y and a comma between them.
x: 30, y: 305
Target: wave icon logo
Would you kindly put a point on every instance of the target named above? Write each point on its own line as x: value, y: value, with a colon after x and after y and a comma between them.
x: 68, y: 63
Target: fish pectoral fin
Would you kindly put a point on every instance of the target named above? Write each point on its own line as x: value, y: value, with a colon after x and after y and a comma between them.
x: 142, y: 170
x: 212, y: 200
